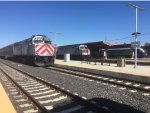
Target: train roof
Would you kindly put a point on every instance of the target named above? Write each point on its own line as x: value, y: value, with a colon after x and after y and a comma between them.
x: 6, y: 46
x: 33, y: 36
x: 99, y: 43
x: 28, y: 39
x: 94, y: 44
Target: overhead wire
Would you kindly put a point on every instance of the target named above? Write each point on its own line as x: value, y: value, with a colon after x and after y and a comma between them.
x: 129, y: 37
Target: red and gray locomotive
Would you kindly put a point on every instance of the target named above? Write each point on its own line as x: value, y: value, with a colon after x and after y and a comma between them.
x: 37, y: 50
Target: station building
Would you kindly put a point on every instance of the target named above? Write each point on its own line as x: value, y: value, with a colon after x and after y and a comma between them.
x: 96, y: 46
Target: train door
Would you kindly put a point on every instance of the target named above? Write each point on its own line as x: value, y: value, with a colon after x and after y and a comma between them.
x: 103, y: 53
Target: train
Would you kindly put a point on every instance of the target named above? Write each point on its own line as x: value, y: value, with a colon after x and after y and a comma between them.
x: 83, y: 51
x: 37, y: 50
x: 76, y: 51
x: 122, y: 52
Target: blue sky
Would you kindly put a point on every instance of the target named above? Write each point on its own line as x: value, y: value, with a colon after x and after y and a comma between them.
x: 78, y: 21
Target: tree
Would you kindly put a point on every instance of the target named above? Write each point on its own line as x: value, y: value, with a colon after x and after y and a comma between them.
x: 147, y: 44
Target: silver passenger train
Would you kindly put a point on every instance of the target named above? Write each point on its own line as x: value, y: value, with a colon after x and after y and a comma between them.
x: 122, y: 52
x: 77, y: 52
x: 37, y: 50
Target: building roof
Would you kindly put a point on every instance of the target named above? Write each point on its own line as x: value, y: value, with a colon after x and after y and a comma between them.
x: 102, y: 44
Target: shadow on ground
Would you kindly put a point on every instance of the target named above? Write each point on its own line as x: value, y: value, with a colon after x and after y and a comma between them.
x: 73, y: 107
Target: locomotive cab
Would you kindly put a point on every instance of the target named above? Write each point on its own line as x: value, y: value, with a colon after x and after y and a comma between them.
x: 84, y: 50
x: 44, y: 51
x: 141, y: 53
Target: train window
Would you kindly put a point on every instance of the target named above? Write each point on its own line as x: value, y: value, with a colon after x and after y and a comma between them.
x: 38, y: 41
x: 139, y: 51
x: 82, y: 48
x: 47, y: 42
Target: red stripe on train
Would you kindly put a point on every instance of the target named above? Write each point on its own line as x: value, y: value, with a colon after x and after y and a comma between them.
x: 40, y: 48
x: 51, y: 48
x: 36, y: 46
x: 43, y: 51
x: 50, y: 52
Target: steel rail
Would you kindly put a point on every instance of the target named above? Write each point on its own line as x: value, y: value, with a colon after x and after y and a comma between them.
x: 80, y: 100
x: 35, y: 102
x: 98, y: 79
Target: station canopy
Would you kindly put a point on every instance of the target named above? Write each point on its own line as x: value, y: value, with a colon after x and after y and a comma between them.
x: 105, y: 45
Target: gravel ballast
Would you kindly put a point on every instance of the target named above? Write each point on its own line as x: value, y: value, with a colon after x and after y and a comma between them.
x: 115, y: 98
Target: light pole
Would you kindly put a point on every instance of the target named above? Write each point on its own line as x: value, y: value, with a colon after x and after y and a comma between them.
x: 55, y: 33
x: 136, y: 32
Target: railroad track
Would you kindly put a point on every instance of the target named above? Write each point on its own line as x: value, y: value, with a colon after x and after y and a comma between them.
x: 145, y: 88
x: 34, y: 95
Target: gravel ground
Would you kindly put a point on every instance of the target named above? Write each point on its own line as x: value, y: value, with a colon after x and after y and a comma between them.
x: 115, y: 98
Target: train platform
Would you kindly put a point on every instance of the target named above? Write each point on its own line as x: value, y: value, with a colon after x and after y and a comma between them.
x: 5, y: 103
x: 141, y: 73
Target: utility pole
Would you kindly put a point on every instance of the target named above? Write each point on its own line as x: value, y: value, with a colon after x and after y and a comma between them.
x: 136, y: 31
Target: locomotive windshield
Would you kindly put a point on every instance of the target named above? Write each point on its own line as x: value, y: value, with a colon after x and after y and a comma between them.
x: 83, y: 47
x: 38, y: 41
x: 41, y: 39
x: 47, y: 42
